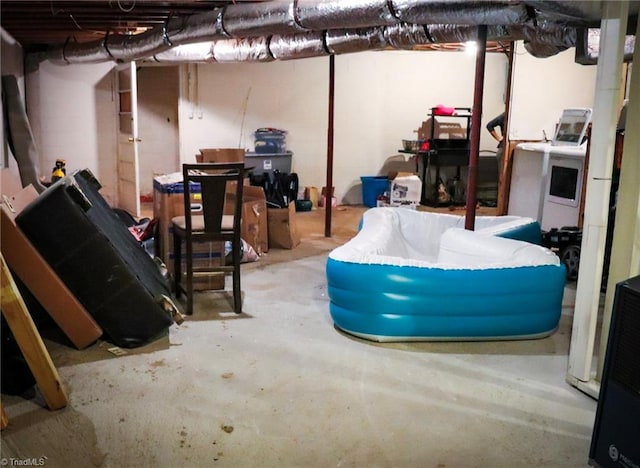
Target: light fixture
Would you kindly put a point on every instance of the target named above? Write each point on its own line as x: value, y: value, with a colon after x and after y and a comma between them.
x: 471, y: 47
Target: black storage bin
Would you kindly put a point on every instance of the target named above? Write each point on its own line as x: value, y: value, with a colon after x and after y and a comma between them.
x: 94, y: 254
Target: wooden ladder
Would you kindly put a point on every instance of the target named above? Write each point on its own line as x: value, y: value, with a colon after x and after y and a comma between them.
x: 28, y: 339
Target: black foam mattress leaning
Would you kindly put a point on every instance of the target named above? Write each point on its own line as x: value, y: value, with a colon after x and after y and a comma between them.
x: 94, y: 254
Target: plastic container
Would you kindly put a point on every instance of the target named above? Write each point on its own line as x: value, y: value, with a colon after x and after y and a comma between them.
x: 270, y: 140
x: 267, y: 163
x: 372, y: 187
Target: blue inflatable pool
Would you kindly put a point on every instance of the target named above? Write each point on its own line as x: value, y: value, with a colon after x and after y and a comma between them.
x: 418, y: 276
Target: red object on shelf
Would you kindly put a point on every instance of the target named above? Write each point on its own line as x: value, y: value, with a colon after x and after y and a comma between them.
x: 425, y: 146
x: 443, y: 110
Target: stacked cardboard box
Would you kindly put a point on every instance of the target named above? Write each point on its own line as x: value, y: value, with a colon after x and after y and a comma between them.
x: 215, y: 155
x: 168, y: 202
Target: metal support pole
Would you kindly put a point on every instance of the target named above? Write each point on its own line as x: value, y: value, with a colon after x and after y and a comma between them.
x: 476, y: 118
x: 329, y: 185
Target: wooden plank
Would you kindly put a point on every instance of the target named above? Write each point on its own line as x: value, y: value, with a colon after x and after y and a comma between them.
x: 30, y: 343
x: 4, y: 420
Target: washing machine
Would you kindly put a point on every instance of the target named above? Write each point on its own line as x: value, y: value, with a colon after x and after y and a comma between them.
x: 546, y: 177
x: 563, y: 187
x: 530, y: 165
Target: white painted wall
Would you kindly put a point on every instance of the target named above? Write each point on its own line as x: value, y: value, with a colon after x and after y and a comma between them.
x: 381, y: 98
x: 72, y: 114
x: 542, y: 88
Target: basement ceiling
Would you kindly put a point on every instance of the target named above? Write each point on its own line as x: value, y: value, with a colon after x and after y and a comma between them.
x: 38, y: 24
x: 96, y: 30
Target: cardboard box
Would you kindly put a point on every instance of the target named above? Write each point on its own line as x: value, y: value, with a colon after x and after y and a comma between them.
x: 36, y: 274
x: 283, y: 230
x: 218, y: 155
x: 254, y: 217
x: 168, y: 202
x: 405, y: 188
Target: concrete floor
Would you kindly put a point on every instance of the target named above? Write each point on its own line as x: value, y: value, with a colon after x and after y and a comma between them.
x: 280, y: 386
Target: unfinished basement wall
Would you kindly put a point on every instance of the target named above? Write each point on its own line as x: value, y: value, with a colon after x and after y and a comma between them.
x: 73, y: 116
x: 381, y: 98
x: 542, y: 88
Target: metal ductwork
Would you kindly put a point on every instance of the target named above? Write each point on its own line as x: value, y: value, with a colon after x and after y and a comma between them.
x: 356, y: 40
x: 292, y: 29
x: 297, y: 46
x: 405, y: 36
x: 242, y: 50
x: 490, y: 13
x: 444, y: 33
x: 121, y: 48
x: 264, y: 19
x: 340, y: 14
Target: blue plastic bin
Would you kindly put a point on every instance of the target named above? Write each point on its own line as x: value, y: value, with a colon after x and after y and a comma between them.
x: 372, y: 186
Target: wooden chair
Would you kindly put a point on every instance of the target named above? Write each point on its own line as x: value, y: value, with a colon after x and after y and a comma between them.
x: 220, y: 187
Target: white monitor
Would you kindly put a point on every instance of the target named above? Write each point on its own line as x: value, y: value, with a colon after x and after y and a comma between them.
x: 572, y: 128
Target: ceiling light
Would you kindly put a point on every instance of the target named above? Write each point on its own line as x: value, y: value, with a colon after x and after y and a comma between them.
x: 471, y: 47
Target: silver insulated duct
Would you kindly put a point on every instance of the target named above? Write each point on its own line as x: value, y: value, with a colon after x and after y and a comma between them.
x: 292, y: 29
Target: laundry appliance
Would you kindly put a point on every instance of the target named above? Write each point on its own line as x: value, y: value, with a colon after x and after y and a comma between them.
x: 546, y: 179
x: 563, y: 187
x: 528, y: 179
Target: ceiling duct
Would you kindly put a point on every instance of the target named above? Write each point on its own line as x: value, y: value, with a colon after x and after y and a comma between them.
x: 196, y: 28
x: 567, y: 11
x: 546, y: 33
x: 488, y: 13
x: 542, y: 50
x: 297, y: 46
x: 124, y: 48
x: 405, y: 36
x: 291, y: 29
x: 242, y: 50
x: 201, y: 52
x: 545, y: 39
x: 452, y: 33
x: 261, y: 19
x: 335, y: 14
x: 357, y: 40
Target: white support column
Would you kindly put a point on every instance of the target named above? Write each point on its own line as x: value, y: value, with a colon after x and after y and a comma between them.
x: 625, y: 249
x: 608, y: 86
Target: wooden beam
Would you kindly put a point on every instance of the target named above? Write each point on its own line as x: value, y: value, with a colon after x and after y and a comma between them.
x: 30, y: 343
x: 4, y: 420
